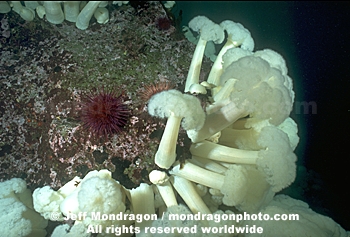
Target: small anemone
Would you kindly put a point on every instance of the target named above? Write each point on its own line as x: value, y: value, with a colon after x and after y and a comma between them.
x: 149, y: 90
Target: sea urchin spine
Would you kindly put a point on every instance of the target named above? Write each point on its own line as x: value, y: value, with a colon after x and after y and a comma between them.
x: 105, y: 113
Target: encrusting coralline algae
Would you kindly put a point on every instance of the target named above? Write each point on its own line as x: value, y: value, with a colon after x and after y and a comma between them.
x: 46, y: 70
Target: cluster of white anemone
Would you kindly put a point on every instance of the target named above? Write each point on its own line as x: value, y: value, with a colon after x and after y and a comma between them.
x: 245, y: 132
x: 242, y: 142
x: 242, y: 152
x: 56, y: 12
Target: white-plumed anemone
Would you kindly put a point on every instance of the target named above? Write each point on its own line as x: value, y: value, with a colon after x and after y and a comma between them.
x: 53, y: 12
x: 179, y: 109
x: 85, y: 15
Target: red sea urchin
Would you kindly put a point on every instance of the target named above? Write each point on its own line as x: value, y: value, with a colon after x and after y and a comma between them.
x: 163, y: 23
x: 104, y: 113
